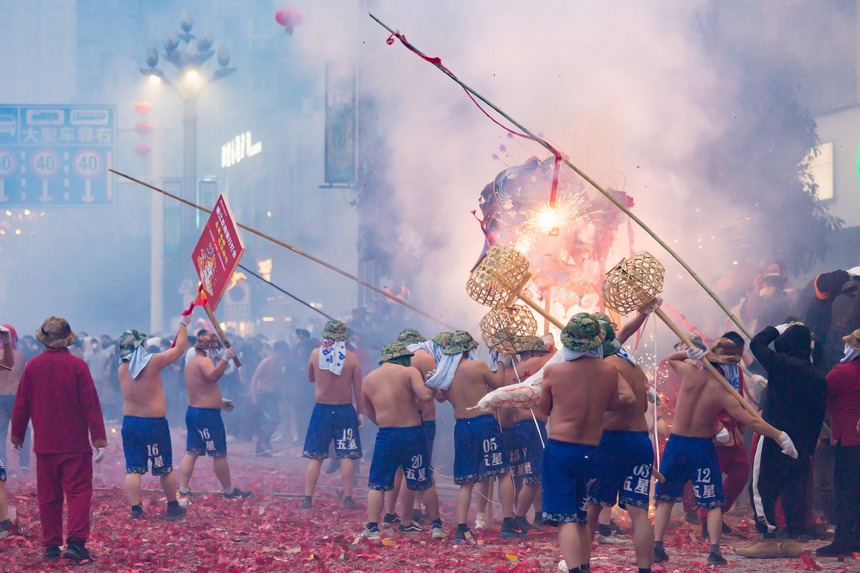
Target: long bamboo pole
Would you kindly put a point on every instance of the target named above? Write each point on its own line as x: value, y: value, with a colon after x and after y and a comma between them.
x: 296, y: 250
x: 437, y: 63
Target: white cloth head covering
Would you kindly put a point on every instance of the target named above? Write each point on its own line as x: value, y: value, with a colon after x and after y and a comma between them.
x: 445, y: 369
x: 570, y: 355
x: 332, y: 356
x: 851, y: 353
x: 137, y: 361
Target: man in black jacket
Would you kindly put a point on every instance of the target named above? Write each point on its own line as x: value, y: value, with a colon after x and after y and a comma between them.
x: 796, y: 397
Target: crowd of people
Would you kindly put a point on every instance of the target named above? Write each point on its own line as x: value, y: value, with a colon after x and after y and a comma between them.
x: 723, y: 416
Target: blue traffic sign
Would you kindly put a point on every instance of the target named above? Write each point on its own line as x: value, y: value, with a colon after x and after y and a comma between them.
x: 56, y: 154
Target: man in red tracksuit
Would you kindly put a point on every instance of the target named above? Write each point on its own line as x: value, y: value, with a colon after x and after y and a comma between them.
x: 58, y: 394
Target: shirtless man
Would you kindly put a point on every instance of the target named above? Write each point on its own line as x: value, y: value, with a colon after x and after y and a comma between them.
x: 338, y: 413
x: 267, y: 384
x: 625, y: 456
x: 9, y: 380
x: 479, y: 452
x: 690, y: 453
x: 575, y: 394
x: 145, y: 432
x: 528, y: 433
x: 9, y: 360
x: 206, y: 435
x: 391, y: 394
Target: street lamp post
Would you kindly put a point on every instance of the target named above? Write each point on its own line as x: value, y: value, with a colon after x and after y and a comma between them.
x: 187, y: 53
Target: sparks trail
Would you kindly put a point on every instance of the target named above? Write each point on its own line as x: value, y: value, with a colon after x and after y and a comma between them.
x: 437, y: 62
x: 293, y: 249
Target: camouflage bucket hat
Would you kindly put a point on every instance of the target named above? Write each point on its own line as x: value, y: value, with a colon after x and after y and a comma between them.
x: 207, y: 340
x: 610, y: 344
x: 442, y: 338
x: 725, y: 351
x: 55, y: 332
x: 129, y: 341
x: 583, y: 332
x: 410, y: 336
x: 335, y: 330
x: 393, y: 351
x: 460, y: 341
x: 531, y: 344
x: 694, y: 338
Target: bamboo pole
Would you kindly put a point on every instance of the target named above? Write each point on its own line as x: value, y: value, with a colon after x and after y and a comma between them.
x: 437, y: 63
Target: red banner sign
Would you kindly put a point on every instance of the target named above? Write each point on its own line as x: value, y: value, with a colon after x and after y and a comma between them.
x: 218, y: 252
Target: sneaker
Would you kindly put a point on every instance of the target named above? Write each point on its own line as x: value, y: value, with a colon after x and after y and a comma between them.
x: 237, y: 494
x: 436, y: 531
x: 727, y: 530
x: 306, y: 503
x: 660, y: 555
x: 390, y: 518
x: 512, y: 529
x: 616, y: 529
x: 832, y: 550
x: 137, y: 513
x: 538, y: 522
x: 522, y: 523
x: 716, y: 559
x: 761, y: 549
x: 369, y: 533
x: 612, y: 540
x: 76, y: 552
x: 411, y: 528
x: 790, y: 548
x: 184, y: 499
x: 7, y: 528
x: 562, y: 566
x: 348, y: 503
x: 175, y: 513
x: 52, y: 552
x: 464, y: 535
x: 418, y: 515
x: 480, y: 521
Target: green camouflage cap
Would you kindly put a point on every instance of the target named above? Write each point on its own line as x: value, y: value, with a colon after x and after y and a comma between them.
x: 442, y: 338
x: 410, y: 336
x: 610, y: 344
x: 531, y: 344
x: 459, y: 342
x: 335, y: 330
x: 393, y: 351
x: 129, y: 341
x: 695, y: 339
x: 583, y: 332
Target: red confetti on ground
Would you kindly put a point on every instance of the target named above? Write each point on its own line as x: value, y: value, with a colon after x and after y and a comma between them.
x: 270, y: 533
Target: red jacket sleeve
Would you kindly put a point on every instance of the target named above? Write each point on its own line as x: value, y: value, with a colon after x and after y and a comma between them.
x: 21, y: 412
x: 91, y: 407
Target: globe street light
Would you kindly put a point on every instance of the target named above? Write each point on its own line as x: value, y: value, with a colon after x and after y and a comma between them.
x: 188, y: 53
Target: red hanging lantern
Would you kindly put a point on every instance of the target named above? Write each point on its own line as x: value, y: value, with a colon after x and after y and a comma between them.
x: 143, y: 107
x: 142, y: 149
x: 143, y: 127
x: 289, y: 18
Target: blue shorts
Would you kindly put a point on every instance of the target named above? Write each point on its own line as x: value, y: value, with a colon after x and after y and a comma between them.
x: 479, y: 451
x: 515, y: 453
x: 429, y: 437
x: 693, y: 459
x: 566, y: 471
x: 206, y: 433
x: 400, y: 448
x: 531, y: 447
x: 336, y: 422
x: 146, y: 441
x: 622, y: 470
x: 2, y: 471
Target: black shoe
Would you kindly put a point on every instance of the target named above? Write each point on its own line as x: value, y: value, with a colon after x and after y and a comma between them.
x: 716, y: 559
x: 727, y: 530
x: 512, y: 529
x: 52, y: 552
x: 348, y: 503
x: 411, y: 528
x: 76, y: 552
x: 175, y: 513
x: 237, y: 493
x: 464, y: 535
x: 523, y: 523
x: 306, y: 503
x: 391, y: 518
x: 660, y: 555
x: 137, y: 513
x: 616, y: 529
x: 832, y: 550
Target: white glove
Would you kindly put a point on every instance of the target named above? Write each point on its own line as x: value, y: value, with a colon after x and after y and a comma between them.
x: 230, y: 353
x: 787, y: 445
x: 227, y: 405
x: 18, y: 448
x: 651, y: 306
x: 782, y: 328
x: 100, y: 455
x: 5, y: 335
x: 695, y: 353
x: 758, y: 381
x: 723, y: 436
x: 430, y: 375
x: 652, y: 395
x: 186, y: 318
x: 360, y: 421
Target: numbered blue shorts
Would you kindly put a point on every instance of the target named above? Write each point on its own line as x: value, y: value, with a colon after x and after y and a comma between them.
x: 430, y: 437
x: 145, y: 442
x: 515, y: 454
x: 337, y: 422
x: 622, y: 470
x: 479, y: 450
x: 528, y: 440
x: 693, y: 459
x: 400, y: 448
x: 206, y: 434
x: 566, y: 471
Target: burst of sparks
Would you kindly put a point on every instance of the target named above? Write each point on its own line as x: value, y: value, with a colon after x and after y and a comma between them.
x: 551, y: 220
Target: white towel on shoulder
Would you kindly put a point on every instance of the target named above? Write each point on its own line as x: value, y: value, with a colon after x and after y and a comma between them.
x: 137, y: 361
x: 445, y: 370
x: 332, y: 356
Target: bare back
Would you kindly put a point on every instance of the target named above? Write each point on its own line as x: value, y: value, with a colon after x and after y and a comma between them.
x: 201, y: 380
x: 343, y: 388
x: 9, y: 379
x: 390, y: 393
x: 471, y: 382
x: 575, y: 395
x: 629, y: 416
x: 700, y: 399
x: 144, y: 396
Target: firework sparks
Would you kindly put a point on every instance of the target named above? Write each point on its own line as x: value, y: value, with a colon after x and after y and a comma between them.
x: 547, y: 220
